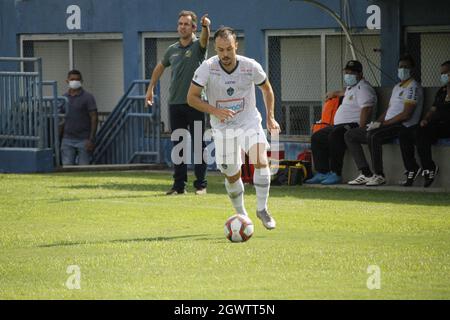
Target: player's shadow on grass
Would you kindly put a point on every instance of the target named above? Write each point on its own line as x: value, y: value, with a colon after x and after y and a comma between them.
x: 154, y: 239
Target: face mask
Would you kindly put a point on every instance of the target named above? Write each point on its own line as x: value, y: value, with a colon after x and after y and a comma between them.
x: 350, y: 80
x: 74, y: 84
x: 404, y: 74
x: 444, y: 79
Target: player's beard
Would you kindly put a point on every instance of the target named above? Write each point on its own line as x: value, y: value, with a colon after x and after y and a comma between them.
x: 186, y: 36
x: 226, y: 61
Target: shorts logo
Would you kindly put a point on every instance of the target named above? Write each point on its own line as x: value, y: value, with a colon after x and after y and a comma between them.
x: 224, y: 166
x: 230, y: 91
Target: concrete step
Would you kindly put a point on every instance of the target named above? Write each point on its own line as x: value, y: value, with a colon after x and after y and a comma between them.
x: 381, y: 188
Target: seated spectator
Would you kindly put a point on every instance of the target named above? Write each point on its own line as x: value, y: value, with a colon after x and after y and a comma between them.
x: 328, y: 145
x: 398, y: 121
x: 435, y: 125
x: 80, y: 124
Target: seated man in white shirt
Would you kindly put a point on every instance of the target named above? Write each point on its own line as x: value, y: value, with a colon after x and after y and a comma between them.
x: 328, y: 144
x: 398, y: 121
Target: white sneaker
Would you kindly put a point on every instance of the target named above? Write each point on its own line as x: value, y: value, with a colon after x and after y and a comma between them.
x: 362, y: 179
x: 267, y: 220
x: 376, y: 180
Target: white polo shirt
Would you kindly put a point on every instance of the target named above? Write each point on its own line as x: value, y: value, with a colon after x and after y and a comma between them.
x: 409, y: 92
x: 356, y: 98
x: 233, y: 90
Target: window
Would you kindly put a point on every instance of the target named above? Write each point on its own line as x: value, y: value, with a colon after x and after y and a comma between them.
x: 304, y: 65
x: 154, y: 46
x: 98, y: 57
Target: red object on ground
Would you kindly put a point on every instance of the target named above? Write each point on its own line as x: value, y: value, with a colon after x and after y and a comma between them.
x: 248, y: 169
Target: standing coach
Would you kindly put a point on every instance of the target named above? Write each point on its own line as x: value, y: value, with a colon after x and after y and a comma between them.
x: 184, y: 57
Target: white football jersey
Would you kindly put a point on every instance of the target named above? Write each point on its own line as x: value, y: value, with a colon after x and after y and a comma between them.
x: 234, y: 91
x: 409, y: 92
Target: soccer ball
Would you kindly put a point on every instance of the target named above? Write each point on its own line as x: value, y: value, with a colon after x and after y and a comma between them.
x: 238, y: 228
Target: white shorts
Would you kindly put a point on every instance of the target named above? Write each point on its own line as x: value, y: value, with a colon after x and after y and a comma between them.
x: 229, y: 147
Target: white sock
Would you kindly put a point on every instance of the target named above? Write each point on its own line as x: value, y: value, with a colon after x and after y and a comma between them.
x: 236, y: 193
x: 261, y: 181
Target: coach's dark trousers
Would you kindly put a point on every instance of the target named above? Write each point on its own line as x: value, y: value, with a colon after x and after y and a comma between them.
x: 182, y: 116
x: 428, y: 135
x: 328, y: 148
x: 375, y: 140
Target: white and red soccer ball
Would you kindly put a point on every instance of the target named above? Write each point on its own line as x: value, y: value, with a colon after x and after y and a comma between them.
x: 238, y: 228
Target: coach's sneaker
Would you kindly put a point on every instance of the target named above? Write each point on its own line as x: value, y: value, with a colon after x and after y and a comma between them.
x: 360, y: 180
x: 332, y: 178
x: 376, y: 180
x: 200, y: 191
x: 318, y: 178
x: 173, y: 192
x: 429, y: 176
x: 266, y: 219
x: 411, y: 176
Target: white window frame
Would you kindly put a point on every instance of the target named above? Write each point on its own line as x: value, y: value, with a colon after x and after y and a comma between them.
x: 70, y: 37
x: 323, y: 33
x: 164, y: 35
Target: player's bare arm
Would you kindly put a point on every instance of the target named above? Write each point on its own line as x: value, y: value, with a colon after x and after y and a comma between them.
x: 334, y: 94
x: 269, y: 101
x: 364, y: 117
x: 156, y: 75
x: 194, y: 100
x: 205, y: 23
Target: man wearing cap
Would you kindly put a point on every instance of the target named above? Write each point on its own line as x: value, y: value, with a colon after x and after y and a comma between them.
x: 328, y: 144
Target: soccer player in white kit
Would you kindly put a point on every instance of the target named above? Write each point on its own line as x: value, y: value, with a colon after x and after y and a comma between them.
x: 229, y: 80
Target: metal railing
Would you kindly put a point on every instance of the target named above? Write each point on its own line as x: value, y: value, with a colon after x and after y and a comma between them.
x: 131, y: 133
x: 20, y: 106
x: 53, y: 118
x: 27, y: 118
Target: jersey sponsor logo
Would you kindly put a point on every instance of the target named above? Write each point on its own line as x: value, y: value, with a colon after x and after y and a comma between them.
x: 230, y: 82
x: 236, y: 105
x: 230, y: 91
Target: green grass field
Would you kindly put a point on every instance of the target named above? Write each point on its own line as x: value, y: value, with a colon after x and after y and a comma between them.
x: 132, y: 242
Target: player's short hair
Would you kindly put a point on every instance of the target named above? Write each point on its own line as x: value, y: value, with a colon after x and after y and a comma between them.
x: 446, y: 64
x: 187, y: 13
x: 74, y: 72
x: 408, y: 57
x: 224, y: 33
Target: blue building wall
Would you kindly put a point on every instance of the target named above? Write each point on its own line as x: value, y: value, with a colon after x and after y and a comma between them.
x: 253, y: 17
x: 134, y: 16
